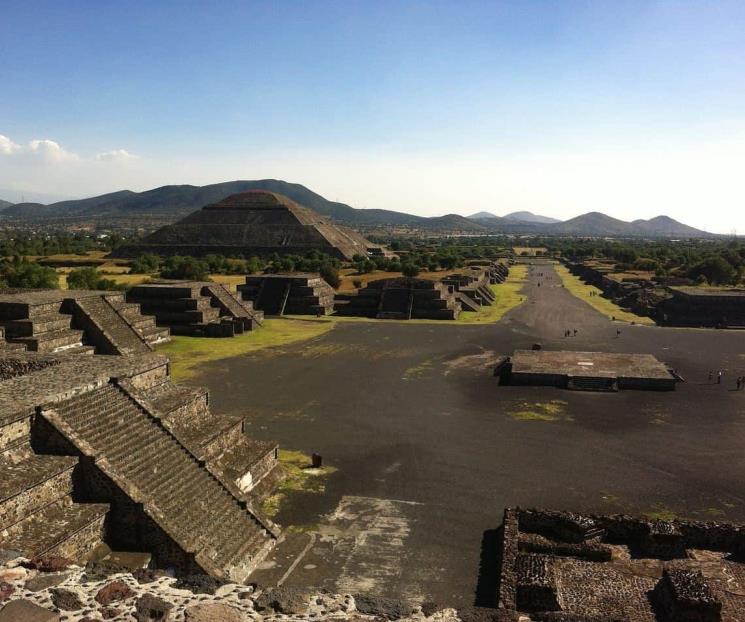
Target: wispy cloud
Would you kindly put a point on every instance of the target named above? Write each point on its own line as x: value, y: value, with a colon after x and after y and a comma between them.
x: 116, y: 155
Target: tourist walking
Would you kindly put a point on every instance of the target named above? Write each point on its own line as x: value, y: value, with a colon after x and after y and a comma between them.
x: 720, y: 373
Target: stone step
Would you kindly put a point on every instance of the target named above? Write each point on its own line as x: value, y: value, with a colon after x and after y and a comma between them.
x: 31, y: 327
x: 62, y: 528
x: 32, y: 481
x: 52, y: 341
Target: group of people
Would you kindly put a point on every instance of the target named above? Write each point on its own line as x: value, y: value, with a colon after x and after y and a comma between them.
x: 740, y: 382
x: 569, y: 333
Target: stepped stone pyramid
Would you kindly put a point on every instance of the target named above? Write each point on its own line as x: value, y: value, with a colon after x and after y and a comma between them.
x: 401, y: 299
x: 293, y: 294
x: 252, y: 223
x: 105, y: 449
x: 75, y: 321
x: 196, y: 308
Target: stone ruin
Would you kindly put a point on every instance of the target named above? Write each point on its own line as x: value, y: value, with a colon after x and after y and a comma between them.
x: 401, y: 299
x: 699, y: 306
x: 101, y: 453
x: 288, y: 294
x: 75, y: 321
x: 196, y: 308
x: 572, y: 567
x: 585, y: 371
x: 256, y: 222
x: 471, y: 288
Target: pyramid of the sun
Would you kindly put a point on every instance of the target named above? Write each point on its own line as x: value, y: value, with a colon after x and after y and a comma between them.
x: 252, y: 223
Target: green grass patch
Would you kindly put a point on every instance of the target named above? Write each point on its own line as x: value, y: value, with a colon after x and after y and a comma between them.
x: 508, y: 296
x: 661, y: 512
x: 417, y: 371
x: 299, y: 477
x: 188, y: 353
x: 602, y: 305
x: 555, y: 410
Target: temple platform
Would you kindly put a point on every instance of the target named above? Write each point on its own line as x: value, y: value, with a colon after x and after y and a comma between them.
x: 588, y: 371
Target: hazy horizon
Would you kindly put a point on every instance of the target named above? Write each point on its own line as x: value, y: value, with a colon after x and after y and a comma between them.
x: 633, y: 109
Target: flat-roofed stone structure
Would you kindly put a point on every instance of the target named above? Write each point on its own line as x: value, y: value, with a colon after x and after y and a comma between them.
x: 291, y: 294
x: 587, y: 371
x: 105, y: 449
x: 703, y: 306
x: 565, y: 566
x: 402, y: 299
x: 76, y: 321
x: 256, y: 222
x: 196, y: 308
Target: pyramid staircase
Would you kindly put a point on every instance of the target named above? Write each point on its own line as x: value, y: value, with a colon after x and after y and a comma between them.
x: 292, y: 294
x: 53, y: 321
x: 231, y: 305
x: 145, y: 325
x: 195, y: 308
x: 222, y: 534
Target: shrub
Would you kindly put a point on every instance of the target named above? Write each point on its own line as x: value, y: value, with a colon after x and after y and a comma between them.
x: 178, y: 267
x: 22, y: 273
x: 89, y: 278
x: 330, y: 274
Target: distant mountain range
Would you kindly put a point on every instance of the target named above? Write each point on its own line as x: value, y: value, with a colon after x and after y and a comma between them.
x: 525, y: 217
x: 173, y: 202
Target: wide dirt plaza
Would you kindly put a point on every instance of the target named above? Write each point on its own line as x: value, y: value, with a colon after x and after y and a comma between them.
x: 426, y: 449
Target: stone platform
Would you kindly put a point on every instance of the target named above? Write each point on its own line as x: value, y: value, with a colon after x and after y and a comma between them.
x: 589, y: 371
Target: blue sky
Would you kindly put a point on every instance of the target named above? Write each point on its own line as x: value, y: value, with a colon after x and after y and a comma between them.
x: 632, y: 108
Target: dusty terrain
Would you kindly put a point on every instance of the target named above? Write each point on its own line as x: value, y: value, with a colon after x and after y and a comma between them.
x: 430, y: 449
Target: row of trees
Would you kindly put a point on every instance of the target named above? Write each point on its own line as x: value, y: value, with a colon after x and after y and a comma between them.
x: 718, y: 262
x: 78, y: 243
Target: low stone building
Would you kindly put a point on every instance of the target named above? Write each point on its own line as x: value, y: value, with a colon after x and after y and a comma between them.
x: 76, y: 321
x: 196, y: 308
x: 703, y: 306
x: 105, y: 449
x: 402, y: 299
x: 288, y: 294
x: 565, y: 566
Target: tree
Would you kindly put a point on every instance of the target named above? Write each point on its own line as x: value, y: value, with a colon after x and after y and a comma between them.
x: 191, y: 268
x: 330, y: 274
x: 89, y: 278
x: 410, y: 269
x: 715, y: 270
x: 22, y: 273
x: 145, y: 264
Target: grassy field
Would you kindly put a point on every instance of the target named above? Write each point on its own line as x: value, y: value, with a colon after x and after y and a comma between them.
x: 608, y: 308
x: 508, y: 297
x: 188, y: 353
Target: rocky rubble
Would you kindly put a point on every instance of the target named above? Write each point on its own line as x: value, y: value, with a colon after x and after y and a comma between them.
x: 55, y: 590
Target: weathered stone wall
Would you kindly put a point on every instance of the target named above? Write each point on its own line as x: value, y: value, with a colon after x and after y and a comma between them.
x: 10, y: 367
